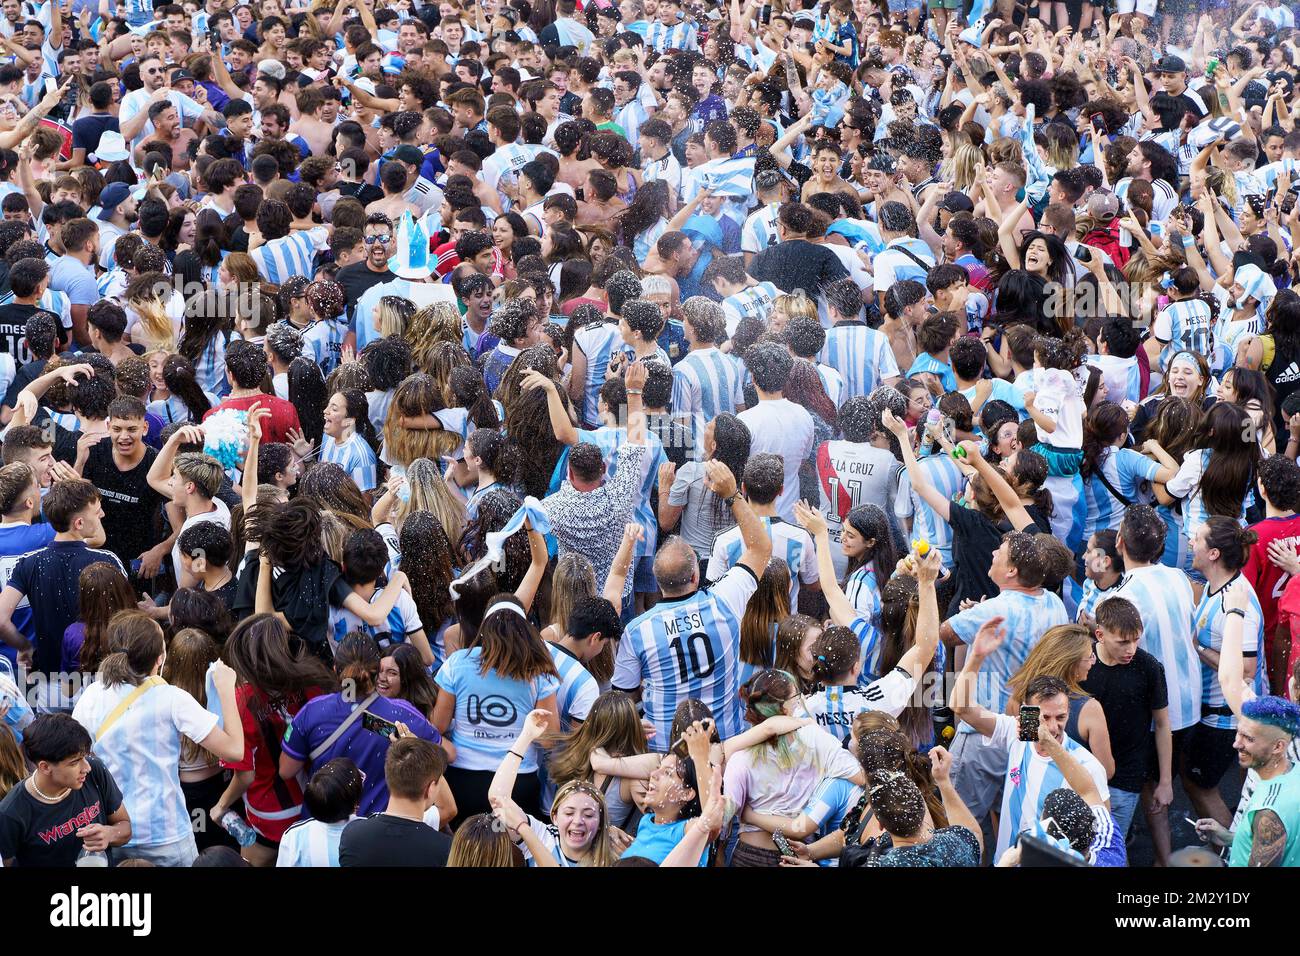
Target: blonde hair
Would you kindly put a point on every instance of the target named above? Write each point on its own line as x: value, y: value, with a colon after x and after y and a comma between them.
x: 963, y: 165
x: 430, y: 327
x: 1057, y: 654
x: 794, y: 305
x: 482, y: 842
x: 429, y: 492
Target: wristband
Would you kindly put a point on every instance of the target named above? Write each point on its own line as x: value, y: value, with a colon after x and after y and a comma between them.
x: 1188, y: 241
x: 516, y: 753
x: 732, y: 499
x: 634, y: 391
x: 1235, y: 610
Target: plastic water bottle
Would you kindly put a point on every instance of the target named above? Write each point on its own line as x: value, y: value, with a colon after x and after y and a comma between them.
x: 234, y: 824
x: 933, y: 418
x: 88, y: 857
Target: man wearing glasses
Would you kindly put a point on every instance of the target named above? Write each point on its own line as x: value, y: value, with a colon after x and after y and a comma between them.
x: 373, y: 269
x: 134, y: 113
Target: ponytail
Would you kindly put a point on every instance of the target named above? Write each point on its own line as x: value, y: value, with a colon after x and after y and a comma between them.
x: 136, y: 642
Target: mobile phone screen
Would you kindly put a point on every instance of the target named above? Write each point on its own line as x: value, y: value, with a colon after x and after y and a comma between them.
x: 1029, y: 715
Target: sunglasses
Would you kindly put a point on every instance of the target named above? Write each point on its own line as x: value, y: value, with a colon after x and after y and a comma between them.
x: 382, y: 240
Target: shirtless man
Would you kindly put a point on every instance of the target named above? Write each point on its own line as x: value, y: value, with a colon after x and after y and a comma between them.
x: 393, y: 180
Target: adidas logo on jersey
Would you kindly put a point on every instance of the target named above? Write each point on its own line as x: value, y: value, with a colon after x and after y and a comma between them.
x: 1292, y: 374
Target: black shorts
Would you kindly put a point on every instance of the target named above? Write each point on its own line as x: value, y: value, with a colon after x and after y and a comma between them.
x: 1207, y: 754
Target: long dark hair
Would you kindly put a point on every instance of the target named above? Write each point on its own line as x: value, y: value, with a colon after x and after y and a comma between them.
x: 1103, y: 425
x: 648, y: 206
x: 428, y: 560
x: 470, y: 393
x: 261, y: 653
x: 731, y: 444
x: 206, y: 317
x: 307, y: 394
x: 181, y: 381
x: 417, y: 686
x: 870, y: 521
x: 512, y: 647
x: 358, y: 409
x: 102, y: 591
x: 1230, y: 470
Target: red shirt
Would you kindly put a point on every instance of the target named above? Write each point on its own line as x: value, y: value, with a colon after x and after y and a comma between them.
x: 274, y: 429
x: 1268, y: 580
x: 273, y: 805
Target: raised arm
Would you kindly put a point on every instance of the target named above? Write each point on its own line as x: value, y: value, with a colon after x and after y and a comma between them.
x: 920, y: 480
x: 1232, y: 664
x: 622, y: 566
x: 926, y: 640
x: 842, y: 611
x: 954, y: 806
x: 527, y: 590
x: 561, y: 424
x: 757, y: 545
x: 962, y: 701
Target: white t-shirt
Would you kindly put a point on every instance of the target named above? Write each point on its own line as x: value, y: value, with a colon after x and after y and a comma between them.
x: 783, y: 428
x: 221, y: 516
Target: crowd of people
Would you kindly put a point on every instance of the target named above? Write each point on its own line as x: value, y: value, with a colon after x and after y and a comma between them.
x: 651, y: 433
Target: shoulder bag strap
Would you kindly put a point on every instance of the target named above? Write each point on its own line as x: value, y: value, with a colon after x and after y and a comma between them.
x: 148, y: 684
x: 348, y: 721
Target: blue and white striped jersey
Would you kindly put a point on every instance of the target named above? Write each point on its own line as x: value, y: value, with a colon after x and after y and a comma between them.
x: 142, y: 750
x: 1089, y: 599
x: 754, y: 301
x: 679, y: 36
x: 759, y: 230
x: 833, y: 382
x: 892, y: 264
x: 948, y: 481
x: 666, y: 168
x: 609, y: 441
x: 1030, y: 777
x: 355, y: 457
x: 578, y: 689
x: 210, y: 369
x: 1163, y: 597
x: 834, y: 708
x: 861, y: 355
x: 1027, y: 617
x: 829, y: 805
x: 791, y: 543
x: 1125, y: 469
x: 706, y: 383
x: 290, y: 255
x: 1188, y: 325
x: 504, y: 165
x: 597, y: 343
x: 402, y: 621
x: 1209, y: 620
x: 686, y: 648
x: 324, y: 340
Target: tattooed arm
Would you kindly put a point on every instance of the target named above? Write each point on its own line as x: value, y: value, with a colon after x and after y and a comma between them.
x: 1269, y: 842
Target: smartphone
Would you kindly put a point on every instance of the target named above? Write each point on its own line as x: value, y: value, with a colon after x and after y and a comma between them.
x: 1288, y: 203
x: 1029, y: 714
x: 51, y: 84
x: 782, y: 844
x: 1098, y: 122
x: 378, y: 725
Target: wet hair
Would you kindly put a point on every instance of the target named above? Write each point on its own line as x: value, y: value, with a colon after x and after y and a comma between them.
x: 1230, y: 539
x: 334, y: 791
x: 770, y: 365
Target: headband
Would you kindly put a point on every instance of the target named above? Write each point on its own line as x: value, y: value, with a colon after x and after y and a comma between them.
x: 504, y: 606
x: 1191, y: 357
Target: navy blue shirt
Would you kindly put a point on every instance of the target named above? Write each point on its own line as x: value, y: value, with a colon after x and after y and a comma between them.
x: 49, y: 579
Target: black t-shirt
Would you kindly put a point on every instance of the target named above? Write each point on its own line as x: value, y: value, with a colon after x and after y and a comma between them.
x: 385, y: 840
x: 303, y: 596
x: 1128, y: 693
x: 357, y: 278
x: 130, y: 504
x: 798, y: 264
x: 49, y: 578
x: 13, y: 327
x: 34, y: 833
x: 975, y: 537
x: 364, y: 193
x: 87, y: 130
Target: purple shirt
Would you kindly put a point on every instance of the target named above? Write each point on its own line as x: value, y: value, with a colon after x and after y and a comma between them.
x: 321, y: 716
x: 73, y: 638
